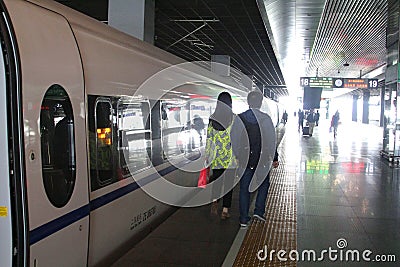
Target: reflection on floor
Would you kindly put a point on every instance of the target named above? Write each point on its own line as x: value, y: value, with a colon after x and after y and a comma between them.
x: 347, y: 196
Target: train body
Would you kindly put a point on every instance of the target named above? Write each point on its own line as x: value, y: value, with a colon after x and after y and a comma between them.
x: 75, y: 131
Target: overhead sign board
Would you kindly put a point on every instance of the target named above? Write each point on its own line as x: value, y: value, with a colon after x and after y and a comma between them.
x: 321, y: 82
x: 329, y: 82
x: 355, y: 83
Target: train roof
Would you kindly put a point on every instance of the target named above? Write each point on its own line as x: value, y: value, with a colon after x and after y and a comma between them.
x: 91, y: 33
x: 81, y: 20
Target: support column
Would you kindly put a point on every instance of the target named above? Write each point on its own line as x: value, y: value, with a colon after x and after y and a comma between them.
x: 382, y: 117
x: 365, y: 117
x: 354, y: 113
x: 134, y: 17
x: 156, y: 155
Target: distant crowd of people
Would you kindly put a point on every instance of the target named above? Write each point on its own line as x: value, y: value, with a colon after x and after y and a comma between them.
x: 312, y: 120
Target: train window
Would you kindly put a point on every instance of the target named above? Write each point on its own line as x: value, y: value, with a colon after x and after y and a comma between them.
x: 119, y: 138
x: 134, y: 135
x: 57, y: 145
x: 104, y: 142
x: 200, y: 111
x: 175, y: 128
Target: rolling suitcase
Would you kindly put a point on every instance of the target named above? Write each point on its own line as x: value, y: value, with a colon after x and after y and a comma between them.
x: 306, y: 130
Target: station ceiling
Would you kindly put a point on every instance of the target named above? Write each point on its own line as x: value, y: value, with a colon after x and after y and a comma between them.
x: 275, y: 42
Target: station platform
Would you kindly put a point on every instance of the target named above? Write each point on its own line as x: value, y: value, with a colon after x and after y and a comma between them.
x: 332, y: 202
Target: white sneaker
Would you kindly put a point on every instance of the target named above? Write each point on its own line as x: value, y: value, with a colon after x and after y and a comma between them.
x: 259, y: 217
x: 244, y: 225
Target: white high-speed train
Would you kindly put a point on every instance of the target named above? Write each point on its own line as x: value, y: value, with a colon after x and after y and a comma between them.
x: 77, y: 134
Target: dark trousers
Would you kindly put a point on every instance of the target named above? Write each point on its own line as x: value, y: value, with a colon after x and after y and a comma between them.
x: 300, y: 124
x: 244, y: 196
x: 227, y: 182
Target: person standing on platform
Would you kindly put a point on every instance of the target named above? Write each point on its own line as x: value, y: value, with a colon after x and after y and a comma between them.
x: 284, y: 117
x: 198, y: 125
x: 301, y: 119
x: 335, y: 123
x: 219, y: 152
x: 311, y: 121
x: 253, y: 159
x: 316, y: 118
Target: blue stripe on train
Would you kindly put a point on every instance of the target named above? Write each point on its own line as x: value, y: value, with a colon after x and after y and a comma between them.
x: 107, y: 198
x: 55, y: 225
x: 50, y: 228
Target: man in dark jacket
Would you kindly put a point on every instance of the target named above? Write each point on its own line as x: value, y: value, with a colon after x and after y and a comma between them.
x: 311, y: 121
x: 254, y: 176
x: 301, y: 119
x: 317, y: 118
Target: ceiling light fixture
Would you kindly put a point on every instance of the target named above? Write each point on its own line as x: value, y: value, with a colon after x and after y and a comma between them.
x: 195, y: 20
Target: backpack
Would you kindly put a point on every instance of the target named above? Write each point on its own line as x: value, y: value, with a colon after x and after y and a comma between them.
x: 250, y: 144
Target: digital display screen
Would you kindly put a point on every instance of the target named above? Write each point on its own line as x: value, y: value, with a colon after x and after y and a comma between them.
x: 355, y: 83
x: 321, y: 82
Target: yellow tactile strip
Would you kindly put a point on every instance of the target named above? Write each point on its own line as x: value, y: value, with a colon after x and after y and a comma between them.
x: 279, y: 231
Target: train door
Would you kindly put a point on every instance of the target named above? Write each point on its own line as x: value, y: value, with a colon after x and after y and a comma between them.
x: 6, y: 242
x: 53, y: 107
x: 13, y: 222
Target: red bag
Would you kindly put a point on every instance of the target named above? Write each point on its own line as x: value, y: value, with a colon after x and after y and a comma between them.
x: 203, y: 177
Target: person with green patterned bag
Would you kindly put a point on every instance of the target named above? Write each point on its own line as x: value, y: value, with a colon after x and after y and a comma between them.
x: 219, y: 153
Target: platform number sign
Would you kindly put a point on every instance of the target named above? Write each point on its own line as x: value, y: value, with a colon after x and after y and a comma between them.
x: 304, y: 81
x: 372, y: 83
